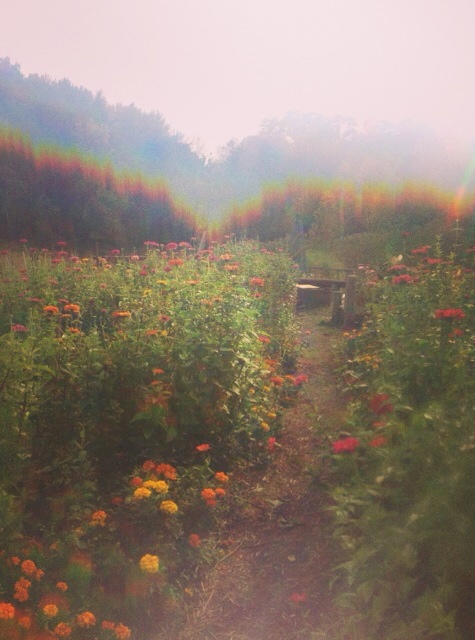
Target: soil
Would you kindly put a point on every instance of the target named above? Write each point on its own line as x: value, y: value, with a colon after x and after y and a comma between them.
x: 273, y: 580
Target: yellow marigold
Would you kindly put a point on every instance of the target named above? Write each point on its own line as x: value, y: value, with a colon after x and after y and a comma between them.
x: 142, y: 492
x: 264, y: 426
x: 98, y: 518
x: 7, y: 611
x: 149, y: 563
x: 157, y: 485
x: 62, y: 630
x: 221, y: 476
x: 50, y: 610
x: 86, y: 619
x: 271, y: 415
x: 28, y: 567
x: 168, y: 506
x: 122, y: 632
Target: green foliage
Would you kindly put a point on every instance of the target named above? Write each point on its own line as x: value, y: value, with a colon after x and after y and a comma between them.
x: 404, y: 496
x: 110, y: 370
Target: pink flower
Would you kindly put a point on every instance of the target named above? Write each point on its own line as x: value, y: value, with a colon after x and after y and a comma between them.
x: 345, y: 445
x: 449, y: 313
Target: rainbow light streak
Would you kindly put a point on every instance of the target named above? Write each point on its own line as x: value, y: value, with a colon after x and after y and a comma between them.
x: 70, y: 163
x: 464, y: 200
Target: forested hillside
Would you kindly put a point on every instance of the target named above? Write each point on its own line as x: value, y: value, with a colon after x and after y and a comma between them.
x: 298, y: 146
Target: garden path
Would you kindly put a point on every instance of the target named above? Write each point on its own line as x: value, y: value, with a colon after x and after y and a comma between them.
x: 273, y: 581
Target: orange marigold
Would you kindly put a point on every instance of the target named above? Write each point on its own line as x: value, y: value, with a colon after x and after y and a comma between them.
x: 122, y: 632
x: 98, y: 518
x: 220, y: 476
x: 86, y: 619
x: 28, y: 567
x: 62, y: 630
x: 7, y: 611
x: 50, y: 610
x: 51, y: 309
x: 62, y: 586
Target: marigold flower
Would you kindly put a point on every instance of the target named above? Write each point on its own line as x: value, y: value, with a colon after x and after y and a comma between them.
x: 168, y: 506
x: 121, y: 314
x: 73, y: 330
x: 39, y: 573
x: 278, y: 381
x: 157, y: 485
x: 98, y: 518
x: 148, y: 465
x: 107, y: 624
x: 50, y: 610
x: 149, y: 563
x: 62, y: 586
x: 220, y: 476
x: 62, y: 630
x: 265, y: 426
x: 142, y: 492
x: 86, y: 619
x: 209, y: 496
x: 25, y: 622
x: 157, y: 371
x: 122, y: 632
x: 166, y: 470
x: 220, y: 492
x: 203, y: 447
x: 15, y: 560
x: 345, y: 445
x: 7, y: 611
x: 28, y: 567
x: 194, y: 540
x: 256, y: 282
x: 136, y: 481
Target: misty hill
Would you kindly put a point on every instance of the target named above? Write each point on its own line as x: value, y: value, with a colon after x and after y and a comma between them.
x: 298, y: 146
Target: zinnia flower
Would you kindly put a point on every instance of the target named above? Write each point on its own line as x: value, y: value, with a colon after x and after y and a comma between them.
x: 50, y: 309
x: 149, y: 563
x: 449, y: 313
x: 345, y: 445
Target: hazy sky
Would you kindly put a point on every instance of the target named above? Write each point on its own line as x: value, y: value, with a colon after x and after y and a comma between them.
x: 216, y: 68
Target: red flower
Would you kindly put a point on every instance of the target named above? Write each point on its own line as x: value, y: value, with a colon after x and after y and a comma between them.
x: 345, y: 445
x: 379, y: 441
x: 403, y: 279
x: 449, y: 313
x: 203, y: 447
x: 298, y: 597
x: 379, y: 404
x: 271, y: 444
x: 194, y: 540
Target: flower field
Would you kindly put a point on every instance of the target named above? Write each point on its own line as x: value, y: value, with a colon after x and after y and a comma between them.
x: 403, y: 472
x: 130, y: 387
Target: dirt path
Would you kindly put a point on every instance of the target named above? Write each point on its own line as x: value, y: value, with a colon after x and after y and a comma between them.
x: 272, y: 584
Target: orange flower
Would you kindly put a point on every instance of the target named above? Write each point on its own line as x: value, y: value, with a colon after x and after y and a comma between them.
x: 220, y: 491
x: 50, y: 610
x: 62, y: 586
x: 25, y: 622
x: 209, y: 496
x: 50, y: 309
x: 98, y: 518
x: 194, y: 540
x: 220, y: 476
x: 122, y: 632
x: 166, y: 470
x: 203, y: 447
x: 86, y: 619
x: 62, y: 630
x: 121, y: 314
x: 7, y: 611
x: 74, y: 308
x: 28, y: 567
